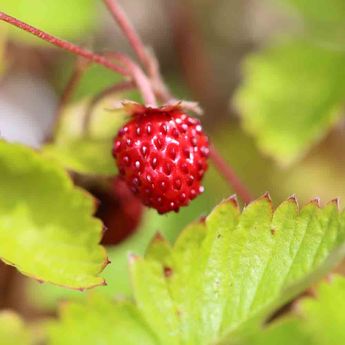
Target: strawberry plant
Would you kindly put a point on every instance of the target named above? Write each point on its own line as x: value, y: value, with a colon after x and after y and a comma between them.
x: 127, y: 210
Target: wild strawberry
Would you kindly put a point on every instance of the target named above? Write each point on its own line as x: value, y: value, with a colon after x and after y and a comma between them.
x: 118, y: 208
x: 162, y: 155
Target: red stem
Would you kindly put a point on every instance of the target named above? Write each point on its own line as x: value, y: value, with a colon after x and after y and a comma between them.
x: 129, y: 31
x: 140, y: 78
x: 131, y: 69
x: 230, y: 175
x: 147, y: 59
x: 158, y: 84
x: 68, y: 46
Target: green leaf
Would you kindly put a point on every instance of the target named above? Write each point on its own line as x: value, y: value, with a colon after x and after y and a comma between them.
x: 85, y: 156
x: 46, y: 226
x: 87, y: 153
x: 292, y: 94
x: 316, y: 321
x: 287, y: 331
x: 247, y: 265
x: 227, y: 274
x: 68, y: 19
x: 100, y: 321
x: 116, y: 274
x: 159, y: 249
x: 13, y: 330
x: 324, y: 317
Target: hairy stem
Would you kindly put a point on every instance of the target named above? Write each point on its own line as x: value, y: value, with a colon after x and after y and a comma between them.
x: 147, y: 59
x: 226, y: 170
x: 158, y: 84
x: 68, y: 46
x: 129, y: 31
x: 140, y: 78
x: 130, y: 69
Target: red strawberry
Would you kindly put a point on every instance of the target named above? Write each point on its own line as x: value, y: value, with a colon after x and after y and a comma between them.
x: 118, y: 208
x: 162, y: 155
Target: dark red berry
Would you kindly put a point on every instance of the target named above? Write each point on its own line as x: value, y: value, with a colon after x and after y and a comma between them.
x: 119, y: 209
x: 162, y: 155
